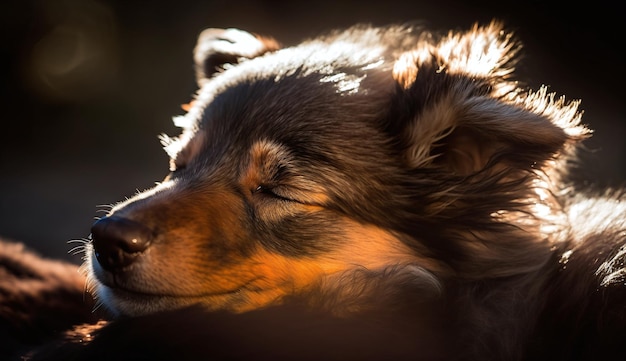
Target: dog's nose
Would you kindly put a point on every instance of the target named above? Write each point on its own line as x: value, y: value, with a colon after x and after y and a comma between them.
x: 118, y: 241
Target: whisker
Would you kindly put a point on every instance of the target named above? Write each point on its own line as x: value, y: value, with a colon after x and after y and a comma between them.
x: 80, y: 248
x: 76, y: 250
x: 82, y: 241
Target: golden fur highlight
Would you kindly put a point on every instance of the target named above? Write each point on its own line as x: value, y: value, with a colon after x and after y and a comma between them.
x: 389, y: 179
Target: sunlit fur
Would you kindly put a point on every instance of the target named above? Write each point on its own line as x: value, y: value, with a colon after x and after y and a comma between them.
x: 356, y: 168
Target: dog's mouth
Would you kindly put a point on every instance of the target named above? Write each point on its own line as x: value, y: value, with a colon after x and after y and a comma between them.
x: 131, y: 302
x: 127, y: 292
x: 125, y: 299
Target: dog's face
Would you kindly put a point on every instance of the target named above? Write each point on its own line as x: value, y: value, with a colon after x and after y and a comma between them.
x: 356, y: 151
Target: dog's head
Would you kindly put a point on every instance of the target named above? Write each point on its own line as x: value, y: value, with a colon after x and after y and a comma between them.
x: 391, y: 152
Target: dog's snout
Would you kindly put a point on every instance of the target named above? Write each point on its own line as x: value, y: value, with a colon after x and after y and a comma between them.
x: 118, y: 241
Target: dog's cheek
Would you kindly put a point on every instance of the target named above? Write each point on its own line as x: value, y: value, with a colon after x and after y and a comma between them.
x: 297, y: 230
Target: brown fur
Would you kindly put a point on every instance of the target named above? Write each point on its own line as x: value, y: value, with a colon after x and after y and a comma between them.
x: 38, y: 297
x: 393, y: 183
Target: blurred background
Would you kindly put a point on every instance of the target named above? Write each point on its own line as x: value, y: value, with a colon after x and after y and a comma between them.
x: 86, y: 86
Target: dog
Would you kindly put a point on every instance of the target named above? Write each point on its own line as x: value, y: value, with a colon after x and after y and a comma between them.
x: 373, y: 193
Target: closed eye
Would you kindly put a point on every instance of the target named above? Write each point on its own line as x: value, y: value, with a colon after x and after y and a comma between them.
x: 273, y: 192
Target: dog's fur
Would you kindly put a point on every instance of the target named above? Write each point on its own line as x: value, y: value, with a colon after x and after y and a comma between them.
x: 375, y: 192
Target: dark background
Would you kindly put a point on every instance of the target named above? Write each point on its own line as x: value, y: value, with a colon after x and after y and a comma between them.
x: 86, y: 86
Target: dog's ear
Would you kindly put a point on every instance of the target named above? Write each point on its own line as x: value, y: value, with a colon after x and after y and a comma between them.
x: 468, y: 114
x: 217, y: 47
x: 465, y: 132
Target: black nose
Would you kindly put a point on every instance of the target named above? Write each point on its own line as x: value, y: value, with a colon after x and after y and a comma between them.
x: 118, y: 241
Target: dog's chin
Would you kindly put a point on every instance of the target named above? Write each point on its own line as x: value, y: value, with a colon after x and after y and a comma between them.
x: 122, y: 302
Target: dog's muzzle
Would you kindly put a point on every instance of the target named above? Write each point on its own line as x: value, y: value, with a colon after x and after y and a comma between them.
x: 118, y: 242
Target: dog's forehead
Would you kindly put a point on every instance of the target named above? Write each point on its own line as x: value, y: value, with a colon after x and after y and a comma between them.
x: 318, y: 87
x: 315, y: 67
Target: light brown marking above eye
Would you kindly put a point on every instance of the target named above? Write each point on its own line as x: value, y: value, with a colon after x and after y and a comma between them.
x: 262, y: 165
x: 275, y: 170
